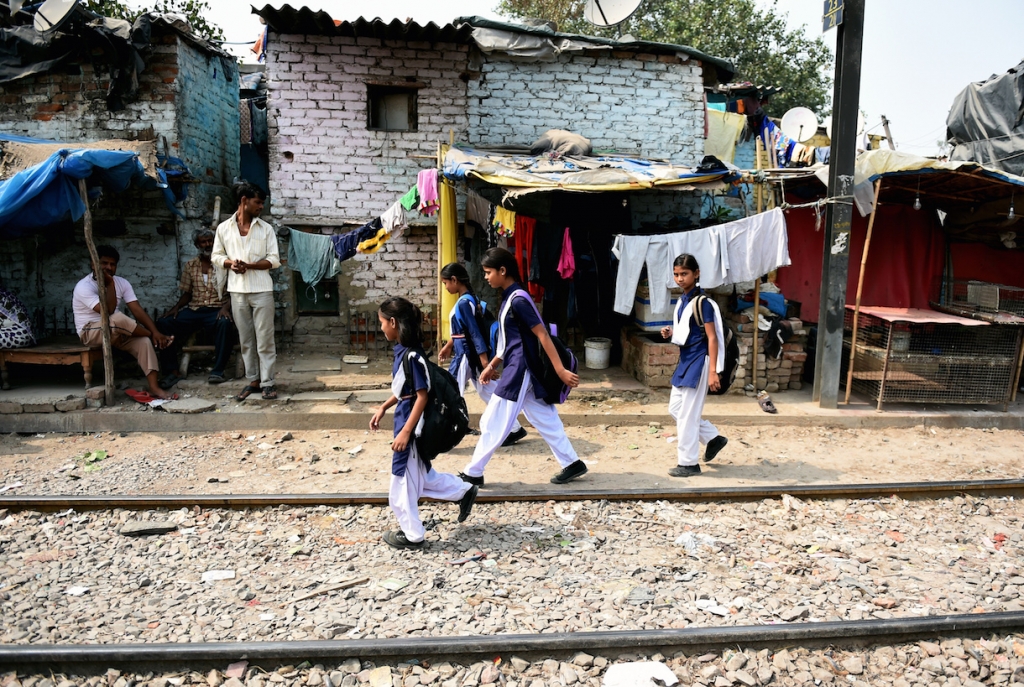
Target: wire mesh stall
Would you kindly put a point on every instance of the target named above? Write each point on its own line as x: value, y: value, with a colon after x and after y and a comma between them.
x: 909, y: 355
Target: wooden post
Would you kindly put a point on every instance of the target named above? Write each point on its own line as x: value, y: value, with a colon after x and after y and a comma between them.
x: 108, y: 351
x: 757, y: 282
x: 860, y: 290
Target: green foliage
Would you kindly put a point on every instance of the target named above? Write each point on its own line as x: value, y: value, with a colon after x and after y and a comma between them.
x: 193, y: 10
x: 757, y: 41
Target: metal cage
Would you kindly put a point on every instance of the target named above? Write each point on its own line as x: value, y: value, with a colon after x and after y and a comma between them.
x: 907, y: 362
x: 979, y: 296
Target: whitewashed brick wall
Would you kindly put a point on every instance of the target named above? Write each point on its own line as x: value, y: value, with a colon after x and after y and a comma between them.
x: 647, y: 104
x: 326, y: 166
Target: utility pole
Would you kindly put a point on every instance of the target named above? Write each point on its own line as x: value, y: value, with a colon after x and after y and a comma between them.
x: 839, y: 213
x: 888, y: 134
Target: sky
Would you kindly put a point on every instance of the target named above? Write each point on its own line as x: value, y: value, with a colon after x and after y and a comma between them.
x: 918, y: 54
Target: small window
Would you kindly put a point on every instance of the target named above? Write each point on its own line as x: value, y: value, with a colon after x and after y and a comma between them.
x: 392, y: 108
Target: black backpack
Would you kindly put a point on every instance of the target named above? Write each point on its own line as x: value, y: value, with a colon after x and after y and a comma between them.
x: 732, y: 349
x: 446, y: 417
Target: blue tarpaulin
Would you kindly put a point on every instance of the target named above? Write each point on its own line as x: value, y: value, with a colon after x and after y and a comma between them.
x: 48, y: 192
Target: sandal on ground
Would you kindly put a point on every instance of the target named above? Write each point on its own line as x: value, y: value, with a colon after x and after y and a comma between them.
x: 269, y: 393
x: 765, y: 401
x: 248, y: 391
x: 169, y: 381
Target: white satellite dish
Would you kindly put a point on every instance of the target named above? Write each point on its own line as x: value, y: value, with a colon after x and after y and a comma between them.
x: 827, y: 124
x: 800, y: 124
x: 609, y: 12
x: 53, y: 13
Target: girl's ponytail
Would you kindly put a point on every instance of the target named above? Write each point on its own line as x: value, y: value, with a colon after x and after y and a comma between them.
x: 455, y: 270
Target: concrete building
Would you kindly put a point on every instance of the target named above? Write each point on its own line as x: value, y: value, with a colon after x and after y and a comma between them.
x: 187, y: 102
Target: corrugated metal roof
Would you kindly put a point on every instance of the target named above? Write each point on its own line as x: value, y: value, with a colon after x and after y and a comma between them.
x: 724, y: 68
x: 303, y: 20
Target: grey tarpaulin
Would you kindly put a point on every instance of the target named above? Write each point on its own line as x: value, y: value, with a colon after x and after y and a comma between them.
x: 985, y: 123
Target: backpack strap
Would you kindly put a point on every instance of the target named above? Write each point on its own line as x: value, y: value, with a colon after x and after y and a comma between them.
x: 698, y: 314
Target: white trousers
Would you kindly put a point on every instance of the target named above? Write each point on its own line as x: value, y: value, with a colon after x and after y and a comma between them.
x: 484, y: 391
x: 254, y: 317
x: 686, y: 405
x: 417, y: 482
x: 635, y: 252
x: 499, y: 417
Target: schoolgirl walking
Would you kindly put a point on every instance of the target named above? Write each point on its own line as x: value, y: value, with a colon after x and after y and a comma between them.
x: 468, y: 348
x: 522, y: 339
x: 412, y: 477
x: 697, y: 330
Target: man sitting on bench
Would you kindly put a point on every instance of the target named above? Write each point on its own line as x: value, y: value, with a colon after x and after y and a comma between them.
x: 136, y: 336
x: 202, y: 306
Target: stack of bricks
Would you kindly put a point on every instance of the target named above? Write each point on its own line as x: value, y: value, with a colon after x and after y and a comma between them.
x: 649, y: 358
x: 773, y: 374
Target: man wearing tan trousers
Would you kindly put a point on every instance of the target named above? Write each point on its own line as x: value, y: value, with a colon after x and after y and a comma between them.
x: 247, y: 247
x: 136, y: 336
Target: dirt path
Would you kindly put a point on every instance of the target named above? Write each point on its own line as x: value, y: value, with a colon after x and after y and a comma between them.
x: 633, y: 457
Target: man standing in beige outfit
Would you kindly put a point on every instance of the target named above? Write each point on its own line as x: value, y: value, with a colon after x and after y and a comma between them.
x: 136, y: 336
x: 247, y: 247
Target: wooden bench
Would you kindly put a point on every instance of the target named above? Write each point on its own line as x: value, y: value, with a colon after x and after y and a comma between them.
x: 52, y: 354
x: 191, y: 347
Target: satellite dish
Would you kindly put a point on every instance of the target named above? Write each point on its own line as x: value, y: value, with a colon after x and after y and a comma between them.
x: 53, y: 13
x: 609, y: 12
x: 800, y: 124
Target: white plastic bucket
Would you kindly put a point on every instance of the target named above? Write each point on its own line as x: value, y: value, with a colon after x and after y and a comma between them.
x: 597, y: 352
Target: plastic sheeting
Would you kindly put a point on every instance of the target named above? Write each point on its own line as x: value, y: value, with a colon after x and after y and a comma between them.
x: 48, y: 193
x: 576, y: 173
x: 986, y: 122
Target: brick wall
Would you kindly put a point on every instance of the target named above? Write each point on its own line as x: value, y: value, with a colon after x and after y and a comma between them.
x: 181, y: 98
x: 648, y: 104
x: 326, y: 166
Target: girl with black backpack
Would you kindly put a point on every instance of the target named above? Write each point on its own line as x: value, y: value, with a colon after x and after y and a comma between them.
x: 697, y: 330
x: 468, y: 348
x: 522, y: 339
x: 412, y: 477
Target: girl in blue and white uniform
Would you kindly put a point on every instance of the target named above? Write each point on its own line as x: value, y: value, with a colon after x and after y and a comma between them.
x: 695, y: 373
x: 522, y: 339
x: 468, y: 347
x: 412, y: 477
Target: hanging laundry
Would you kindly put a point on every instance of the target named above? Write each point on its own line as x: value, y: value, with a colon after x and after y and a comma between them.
x: 724, y: 131
x: 492, y: 234
x: 260, y: 132
x: 504, y: 221
x: 426, y: 184
x: 478, y: 210
x: 411, y: 199
x: 755, y: 245
x: 709, y: 247
x: 567, y: 262
x: 374, y: 243
x: 345, y: 245
x: 522, y: 246
x: 394, y: 219
x: 245, y: 121
x: 633, y: 253
x: 312, y: 256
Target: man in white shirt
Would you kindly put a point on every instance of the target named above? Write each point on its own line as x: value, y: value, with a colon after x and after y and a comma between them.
x: 247, y: 247
x: 136, y: 336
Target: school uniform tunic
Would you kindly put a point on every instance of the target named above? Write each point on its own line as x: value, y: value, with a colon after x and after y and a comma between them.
x: 517, y: 346
x: 405, y: 391
x: 469, y: 342
x: 693, y: 354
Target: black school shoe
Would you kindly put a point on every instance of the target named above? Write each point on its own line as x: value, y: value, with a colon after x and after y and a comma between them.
x: 570, y: 472
x: 396, y: 540
x: 713, y: 447
x: 514, y: 437
x: 685, y: 471
x: 476, y: 481
x: 466, y: 502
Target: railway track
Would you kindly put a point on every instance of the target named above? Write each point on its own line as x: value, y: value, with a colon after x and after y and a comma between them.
x: 906, y: 490
x: 139, y: 657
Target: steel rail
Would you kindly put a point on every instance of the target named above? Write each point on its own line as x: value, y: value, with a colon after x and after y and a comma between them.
x: 808, y: 634
x: 1008, y: 487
